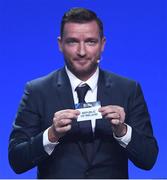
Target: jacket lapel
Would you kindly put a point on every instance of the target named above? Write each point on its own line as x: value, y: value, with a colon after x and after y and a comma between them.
x: 65, y: 95
x: 105, y: 84
x: 104, y: 95
x: 64, y: 90
x: 66, y: 102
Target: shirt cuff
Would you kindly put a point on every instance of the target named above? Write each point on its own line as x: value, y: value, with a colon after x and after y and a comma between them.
x: 48, y: 146
x: 124, y: 140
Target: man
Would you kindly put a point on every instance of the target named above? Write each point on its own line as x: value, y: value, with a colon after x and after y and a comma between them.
x: 47, y: 132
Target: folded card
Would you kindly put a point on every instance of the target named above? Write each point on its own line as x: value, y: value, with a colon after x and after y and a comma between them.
x: 89, y: 111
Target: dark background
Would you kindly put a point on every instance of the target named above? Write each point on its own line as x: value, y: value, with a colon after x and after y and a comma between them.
x: 136, y: 47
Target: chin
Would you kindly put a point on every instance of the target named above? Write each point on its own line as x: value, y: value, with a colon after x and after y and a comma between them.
x: 84, y: 72
x: 82, y: 69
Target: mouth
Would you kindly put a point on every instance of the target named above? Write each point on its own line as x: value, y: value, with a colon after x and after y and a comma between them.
x: 81, y: 61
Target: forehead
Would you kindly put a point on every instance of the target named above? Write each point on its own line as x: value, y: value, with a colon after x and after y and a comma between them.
x: 77, y: 29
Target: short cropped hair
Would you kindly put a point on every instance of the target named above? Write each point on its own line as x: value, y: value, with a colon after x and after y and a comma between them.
x: 81, y: 15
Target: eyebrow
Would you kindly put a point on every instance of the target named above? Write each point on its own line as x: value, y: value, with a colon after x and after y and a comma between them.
x: 92, y: 39
x: 76, y: 39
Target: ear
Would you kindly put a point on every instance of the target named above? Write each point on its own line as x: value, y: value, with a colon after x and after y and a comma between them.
x: 103, y: 42
x: 59, y: 40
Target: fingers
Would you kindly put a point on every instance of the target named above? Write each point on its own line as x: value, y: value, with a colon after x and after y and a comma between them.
x: 115, y: 114
x: 67, y: 112
x: 62, y: 130
x: 111, y: 115
x: 62, y: 121
x: 115, y: 121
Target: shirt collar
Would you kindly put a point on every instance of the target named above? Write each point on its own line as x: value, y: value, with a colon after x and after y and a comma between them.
x: 92, y: 81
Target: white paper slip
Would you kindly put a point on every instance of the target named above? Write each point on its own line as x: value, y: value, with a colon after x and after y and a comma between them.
x: 89, y: 111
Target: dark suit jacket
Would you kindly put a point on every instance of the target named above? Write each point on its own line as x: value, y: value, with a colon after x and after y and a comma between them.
x: 46, y: 95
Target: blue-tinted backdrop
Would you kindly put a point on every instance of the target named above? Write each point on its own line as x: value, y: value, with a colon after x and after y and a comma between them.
x: 136, y: 45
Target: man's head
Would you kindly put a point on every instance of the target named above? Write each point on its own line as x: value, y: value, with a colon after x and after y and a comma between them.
x: 81, y: 41
x: 81, y: 15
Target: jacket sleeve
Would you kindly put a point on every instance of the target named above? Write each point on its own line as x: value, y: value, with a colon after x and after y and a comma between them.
x: 26, y: 140
x: 142, y: 149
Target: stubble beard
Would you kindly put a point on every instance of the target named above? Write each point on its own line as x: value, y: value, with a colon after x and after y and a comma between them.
x: 82, y: 74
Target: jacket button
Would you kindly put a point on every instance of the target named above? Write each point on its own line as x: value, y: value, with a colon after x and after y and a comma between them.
x: 86, y: 173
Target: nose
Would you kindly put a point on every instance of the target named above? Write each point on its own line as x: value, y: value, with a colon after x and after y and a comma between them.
x: 81, y: 50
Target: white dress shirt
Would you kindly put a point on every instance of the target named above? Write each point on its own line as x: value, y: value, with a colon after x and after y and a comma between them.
x: 91, y: 96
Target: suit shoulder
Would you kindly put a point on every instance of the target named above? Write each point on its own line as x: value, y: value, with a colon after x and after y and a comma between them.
x: 44, y: 81
x: 121, y: 84
x: 115, y: 78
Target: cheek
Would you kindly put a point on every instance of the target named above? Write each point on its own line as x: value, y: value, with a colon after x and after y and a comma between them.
x: 95, y: 52
x: 70, y: 51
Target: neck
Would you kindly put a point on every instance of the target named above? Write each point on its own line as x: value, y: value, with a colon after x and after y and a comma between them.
x: 84, y: 76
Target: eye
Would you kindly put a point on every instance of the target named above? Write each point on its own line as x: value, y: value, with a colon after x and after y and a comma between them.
x: 71, y: 41
x: 91, y: 42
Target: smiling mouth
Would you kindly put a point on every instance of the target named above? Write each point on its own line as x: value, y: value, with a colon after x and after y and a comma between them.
x: 81, y: 61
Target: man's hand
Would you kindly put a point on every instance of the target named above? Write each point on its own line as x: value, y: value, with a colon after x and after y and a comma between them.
x: 61, y: 123
x: 116, y: 115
